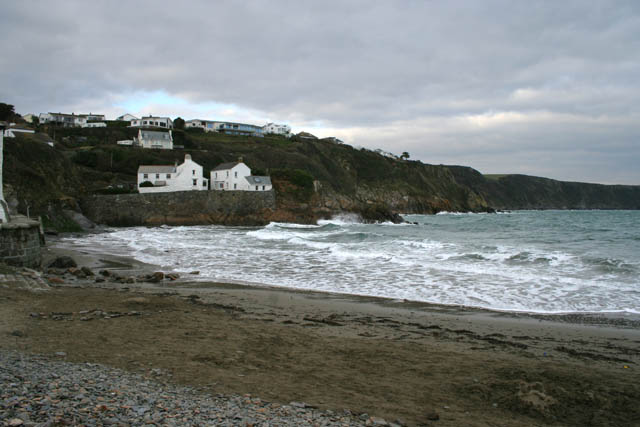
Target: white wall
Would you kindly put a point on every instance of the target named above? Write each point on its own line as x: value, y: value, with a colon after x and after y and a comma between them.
x: 231, y: 179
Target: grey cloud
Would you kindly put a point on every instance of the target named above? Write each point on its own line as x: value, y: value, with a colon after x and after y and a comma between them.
x: 347, y: 65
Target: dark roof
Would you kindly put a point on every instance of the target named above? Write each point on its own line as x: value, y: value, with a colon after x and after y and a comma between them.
x: 224, y: 166
x: 258, y: 180
x: 157, y: 169
x: 153, y: 135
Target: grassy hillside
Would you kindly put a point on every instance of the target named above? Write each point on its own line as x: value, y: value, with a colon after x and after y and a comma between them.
x: 311, y: 177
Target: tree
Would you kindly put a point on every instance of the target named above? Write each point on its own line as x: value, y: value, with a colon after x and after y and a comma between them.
x: 7, y: 112
x: 178, y: 123
x: 404, y: 155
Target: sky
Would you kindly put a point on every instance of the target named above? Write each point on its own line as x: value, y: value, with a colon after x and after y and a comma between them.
x: 545, y: 88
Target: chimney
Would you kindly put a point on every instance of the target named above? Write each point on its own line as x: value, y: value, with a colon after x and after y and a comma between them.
x: 240, y: 159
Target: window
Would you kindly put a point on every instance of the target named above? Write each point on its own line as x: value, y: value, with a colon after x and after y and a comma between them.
x: 227, y: 174
x: 263, y: 188
x: 168, y: 176
x: 235, y: 186
x: 216, y: 175
x: 157, y: 176
x: 195, y: 182
x: 145, y: 176
x: 256, y: 188
x: 193, y: 172
x: 235, y: 174
x: 204, y: 183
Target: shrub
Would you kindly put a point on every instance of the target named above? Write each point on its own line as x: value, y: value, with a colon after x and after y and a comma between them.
x: 146, y: 184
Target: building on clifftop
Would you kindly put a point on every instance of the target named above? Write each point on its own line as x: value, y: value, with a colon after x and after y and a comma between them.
x: 154, y: 139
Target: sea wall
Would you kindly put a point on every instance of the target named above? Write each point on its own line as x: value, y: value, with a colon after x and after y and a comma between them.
x: 20, y: 242
x: 181, y: 208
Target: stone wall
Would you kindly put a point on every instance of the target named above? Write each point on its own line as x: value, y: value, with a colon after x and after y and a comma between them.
x: 181, y: 208
x: 20, y: 243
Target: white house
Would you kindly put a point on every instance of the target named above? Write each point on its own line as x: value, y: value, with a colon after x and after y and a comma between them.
x: 154, y: 139
x: 230, y: 128
x: 277, y: 129
x: 237, y: 176
x: 165, y: 178
x: 127, y: 118
x: 153, y: 121
x: 69, y: 120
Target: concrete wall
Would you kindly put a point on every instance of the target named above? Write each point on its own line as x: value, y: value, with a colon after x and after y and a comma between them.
x: 20, y: 244
x: 181, y: 208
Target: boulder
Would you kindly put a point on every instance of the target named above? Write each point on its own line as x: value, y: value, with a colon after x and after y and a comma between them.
x: 156, y: 277
x: 87, y: 271
x: 62, y: 262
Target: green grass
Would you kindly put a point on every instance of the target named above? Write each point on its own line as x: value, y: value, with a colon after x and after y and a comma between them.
x: 495, y: 177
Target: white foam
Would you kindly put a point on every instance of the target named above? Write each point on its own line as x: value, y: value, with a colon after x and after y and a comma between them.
x: 435, y: 262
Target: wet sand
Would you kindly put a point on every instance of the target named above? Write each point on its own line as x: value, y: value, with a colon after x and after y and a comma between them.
x: 390, y: 358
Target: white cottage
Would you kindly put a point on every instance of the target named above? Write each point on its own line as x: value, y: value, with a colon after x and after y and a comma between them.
x: 166, y: 178
x: 154, y: 139
x: 237, y: 176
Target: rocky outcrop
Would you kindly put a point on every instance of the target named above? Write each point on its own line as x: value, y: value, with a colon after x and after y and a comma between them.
x: 181, y: 208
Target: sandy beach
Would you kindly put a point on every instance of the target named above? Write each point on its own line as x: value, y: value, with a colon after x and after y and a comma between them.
x: 419, y: 364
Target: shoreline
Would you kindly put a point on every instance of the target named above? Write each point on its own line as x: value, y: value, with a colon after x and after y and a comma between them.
x: 392, y: 359
x: 130, y: 265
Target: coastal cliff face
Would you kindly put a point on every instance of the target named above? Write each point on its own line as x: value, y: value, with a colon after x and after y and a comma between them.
x: 528, y: 192
x: 312, y: 179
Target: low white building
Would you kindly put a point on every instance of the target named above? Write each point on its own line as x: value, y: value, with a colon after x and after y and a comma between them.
x: 154, y: 139
x: 153, y: 121
x: 230, y: 128
x: 69, y: 120
x: 166, y: 178
x: 237, y: 176
x: 276, y: 129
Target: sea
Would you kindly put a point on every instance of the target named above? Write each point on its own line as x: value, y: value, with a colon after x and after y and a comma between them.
x: 523, y: 261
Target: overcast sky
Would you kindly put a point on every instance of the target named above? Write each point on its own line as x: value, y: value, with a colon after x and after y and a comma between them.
x: 548, y: 88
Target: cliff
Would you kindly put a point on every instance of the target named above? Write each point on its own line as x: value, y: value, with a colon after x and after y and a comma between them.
x: 529, y: 192
x: 312, y: 179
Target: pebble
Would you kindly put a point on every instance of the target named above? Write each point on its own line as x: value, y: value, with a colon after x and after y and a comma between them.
x: 36, y: 390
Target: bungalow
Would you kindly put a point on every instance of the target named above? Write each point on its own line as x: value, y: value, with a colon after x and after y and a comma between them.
x: 237, y: 176
x: 229, y: 128
x: 154, y: 139
x: 69, y: 120
x: 61, y: 119
x: 166, y: 178
x: 273, y: 128
x: 153, y: 121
